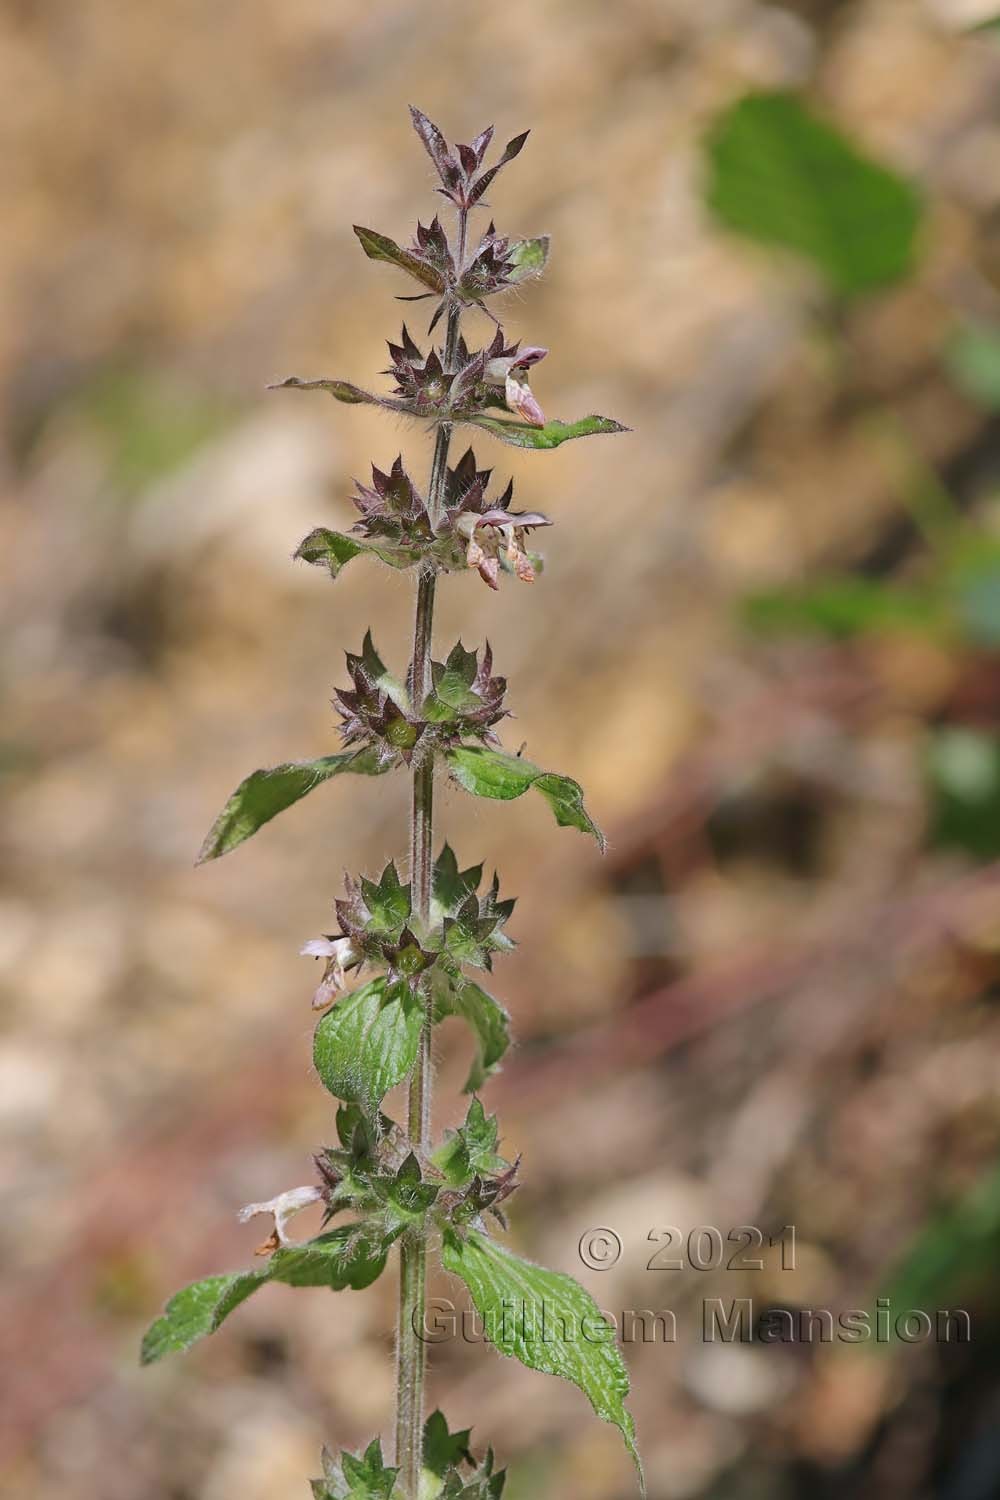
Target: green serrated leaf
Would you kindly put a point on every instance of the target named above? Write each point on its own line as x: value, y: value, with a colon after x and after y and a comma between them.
x: 197, y: 1310
x: 528, y: 257
x: 264, y: 794
x: 244, y: 1283
x: 785, y: 178
x: 547, y: 1321
x: 454, y: 995
x: 551, y: 435
x: 351, y: 1256
x: 498, y: 775
x: 368, y: 1042
x: 333, y: 550
x: 381, y: 247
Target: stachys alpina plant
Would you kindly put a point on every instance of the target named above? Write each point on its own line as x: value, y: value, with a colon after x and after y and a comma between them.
x: 387, y: 1183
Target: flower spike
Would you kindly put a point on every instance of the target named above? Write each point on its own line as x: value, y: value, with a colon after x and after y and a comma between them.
x: 408, y: 949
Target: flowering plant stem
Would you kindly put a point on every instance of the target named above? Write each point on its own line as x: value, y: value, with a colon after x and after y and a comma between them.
x: 411, y: 1356
x: 396, y: 1187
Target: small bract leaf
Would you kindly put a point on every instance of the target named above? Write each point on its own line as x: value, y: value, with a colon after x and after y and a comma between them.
x: 380, y: 247
x: 547, y: 1321
x: 783, y: 177
x: 451, y: 886
x: 264, y: 794
x: 470, y: 1149
x: 368, y: 1043
x: 443, y: 1449
x: 501, y: 776
x: 354, y: 1477
x: 551, y: 435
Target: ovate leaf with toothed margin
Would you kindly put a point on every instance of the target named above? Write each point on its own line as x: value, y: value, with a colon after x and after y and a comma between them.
x: 501, y: 776
x: 368, y: 1043
x: 264, y: 794
x: 546, y: 1320
x: 380, y: 247
x: 198, y: 1310
x: 783, y: 177
x: 332, y: 550
x: 352, y: 1256
x: 454, y: 995
x: 551, y: 435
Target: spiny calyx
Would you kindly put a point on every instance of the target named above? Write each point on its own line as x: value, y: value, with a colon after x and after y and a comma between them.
x: 465, y: 700
x: 474, y: 530
x: 378, y: 927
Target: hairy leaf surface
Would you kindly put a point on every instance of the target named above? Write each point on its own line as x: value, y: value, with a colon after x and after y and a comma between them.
x: 381, y: 247
x: 264, y: 794
x: 351, y: 1256
x: 333, y: 550
x: 368, y: 1042
x: 490, y: 1023
x: 551, y: 435
x: 546, y: 1320
x: 498, y: 775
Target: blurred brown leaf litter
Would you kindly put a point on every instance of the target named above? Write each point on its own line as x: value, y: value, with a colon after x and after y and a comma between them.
x: 775, y: 1001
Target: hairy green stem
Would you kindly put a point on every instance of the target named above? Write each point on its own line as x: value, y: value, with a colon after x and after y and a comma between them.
x: 410, y: 1352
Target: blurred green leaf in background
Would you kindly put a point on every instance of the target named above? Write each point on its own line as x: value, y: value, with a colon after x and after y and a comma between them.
x: 972, y: 359
x: 780, y: 175
x: 954, y: 1252
x: 963, y: 768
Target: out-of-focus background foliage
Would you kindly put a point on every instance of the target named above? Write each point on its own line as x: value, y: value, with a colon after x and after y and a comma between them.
x: 767, y: 641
